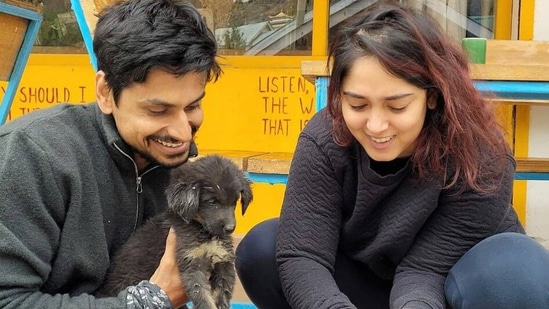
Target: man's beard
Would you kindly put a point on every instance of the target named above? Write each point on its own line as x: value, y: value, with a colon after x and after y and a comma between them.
x: 191, y: 153
x: 152, y: 161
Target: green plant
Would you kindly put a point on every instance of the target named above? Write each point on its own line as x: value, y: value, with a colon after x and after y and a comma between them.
x: 234, y: 39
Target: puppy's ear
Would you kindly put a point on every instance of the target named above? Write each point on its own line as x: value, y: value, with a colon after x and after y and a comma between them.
x: 246, y: 195
x: 184, y: 199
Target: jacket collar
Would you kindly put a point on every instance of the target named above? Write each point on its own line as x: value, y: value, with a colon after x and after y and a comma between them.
x: 119, y: 150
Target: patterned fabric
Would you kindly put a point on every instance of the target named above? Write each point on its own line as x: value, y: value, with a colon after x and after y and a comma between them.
x: 147, y: 295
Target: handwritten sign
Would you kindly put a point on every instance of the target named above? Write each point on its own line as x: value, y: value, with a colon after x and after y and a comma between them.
x: 51, y: 79
x: 278, y: 92
x: 30, y: 98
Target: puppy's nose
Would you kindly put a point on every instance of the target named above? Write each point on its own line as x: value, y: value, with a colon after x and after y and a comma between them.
x: 229, y: 228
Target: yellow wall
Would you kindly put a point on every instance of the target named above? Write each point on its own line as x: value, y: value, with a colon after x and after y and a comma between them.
x: 266, y: 204
x: 259, y: 104
x: 51, y: 79
x: 513, y: 117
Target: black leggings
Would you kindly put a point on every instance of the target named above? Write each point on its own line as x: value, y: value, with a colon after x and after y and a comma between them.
x: 504, y: 271
x: 258, y: 274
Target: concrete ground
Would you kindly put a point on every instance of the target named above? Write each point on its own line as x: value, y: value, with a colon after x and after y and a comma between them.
x: 239, y: 296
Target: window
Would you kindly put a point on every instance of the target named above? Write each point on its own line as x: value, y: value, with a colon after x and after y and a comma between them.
x: 259, y: 27
x: 271, y: 27
x: 59, y: 31
x: 284, y: 27
x: 460, y: 18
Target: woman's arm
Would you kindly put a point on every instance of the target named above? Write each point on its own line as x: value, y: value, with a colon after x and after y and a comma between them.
x: 459, y: 222
x: 309, y: 227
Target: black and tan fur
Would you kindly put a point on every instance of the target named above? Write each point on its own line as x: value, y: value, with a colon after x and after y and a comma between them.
x: 202, y: 197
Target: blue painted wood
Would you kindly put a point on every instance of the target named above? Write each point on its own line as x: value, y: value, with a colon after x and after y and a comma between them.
x: 532, y: 176
x: 242, y: 306
x: 11, y: 9
x: 516, y: 90
x: 85, y: 30
x: 321, y: 86
x: 268, y: 178
x: 35, y: 19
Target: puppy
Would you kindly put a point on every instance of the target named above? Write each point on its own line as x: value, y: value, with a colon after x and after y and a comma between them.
x: 202, y: 196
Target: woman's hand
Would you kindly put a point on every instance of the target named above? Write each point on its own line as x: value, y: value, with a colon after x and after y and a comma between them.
x: 167, y: 276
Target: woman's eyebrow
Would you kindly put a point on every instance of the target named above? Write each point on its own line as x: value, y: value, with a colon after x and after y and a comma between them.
x: 389, y: 98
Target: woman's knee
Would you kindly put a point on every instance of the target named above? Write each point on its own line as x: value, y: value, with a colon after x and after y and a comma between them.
x: 507, y: 270
x: 258, y: 244
x: 257, y: 248
x: 256, y: 266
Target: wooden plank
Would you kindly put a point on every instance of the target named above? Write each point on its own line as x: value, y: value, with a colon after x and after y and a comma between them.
x: 532, y: 164
x: 521, y: 102
x: 24, y: 5
x: 270, y: 163
x: 311, y: 69
x: 517, y: 52
x: 34, y: 20
x: 239, y: 157
x: 516, y: 72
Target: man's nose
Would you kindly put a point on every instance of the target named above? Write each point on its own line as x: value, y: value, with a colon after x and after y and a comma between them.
x: 180, y: 127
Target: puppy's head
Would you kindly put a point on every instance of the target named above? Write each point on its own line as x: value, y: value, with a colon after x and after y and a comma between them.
x: 207, y: 190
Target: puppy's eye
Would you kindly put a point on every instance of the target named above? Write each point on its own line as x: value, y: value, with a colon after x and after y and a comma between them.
x: 212, y: 201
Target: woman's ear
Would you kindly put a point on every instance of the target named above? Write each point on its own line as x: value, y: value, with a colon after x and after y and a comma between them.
x: 103, y: 93
x: 432, y: 97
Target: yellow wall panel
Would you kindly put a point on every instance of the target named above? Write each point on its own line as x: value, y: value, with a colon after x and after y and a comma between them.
x: 52, y: 79
x: 250, y: 93
x: 522, y: 129
x: 266, y: 204
x: 257, y: 105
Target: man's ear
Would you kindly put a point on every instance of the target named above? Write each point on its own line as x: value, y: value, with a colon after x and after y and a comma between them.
x: 103, y: 93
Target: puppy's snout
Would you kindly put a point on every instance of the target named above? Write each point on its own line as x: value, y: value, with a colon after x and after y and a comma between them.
x: 229, y: 228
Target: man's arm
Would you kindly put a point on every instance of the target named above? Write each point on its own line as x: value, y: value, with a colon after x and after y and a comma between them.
x: 45, y: 262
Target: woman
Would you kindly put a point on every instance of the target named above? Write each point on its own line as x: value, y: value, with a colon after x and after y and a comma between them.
x: 399, y: 192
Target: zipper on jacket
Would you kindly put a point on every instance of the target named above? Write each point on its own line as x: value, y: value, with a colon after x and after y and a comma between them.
x: 138, y: 182
x: 139, y: 185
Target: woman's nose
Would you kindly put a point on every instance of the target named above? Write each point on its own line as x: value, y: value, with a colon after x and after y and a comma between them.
x: 377, y: 122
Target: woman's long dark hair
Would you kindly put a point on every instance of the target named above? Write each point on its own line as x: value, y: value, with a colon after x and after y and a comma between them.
x: 462, y: 133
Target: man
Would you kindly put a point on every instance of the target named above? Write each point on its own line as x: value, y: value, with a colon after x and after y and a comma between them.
x: 77, y: 180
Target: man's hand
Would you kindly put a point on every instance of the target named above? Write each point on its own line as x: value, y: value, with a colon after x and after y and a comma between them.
x: 166, y: 275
